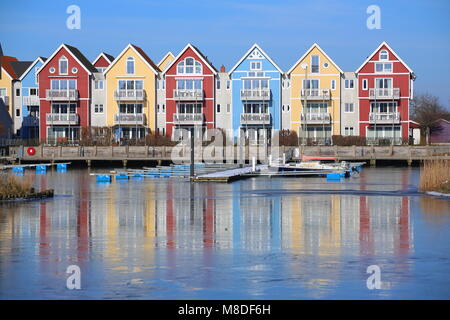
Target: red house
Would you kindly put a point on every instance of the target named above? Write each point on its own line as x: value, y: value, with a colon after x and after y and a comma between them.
x: 190, y: 93
x: 385, y: 85
x: 65, y: 94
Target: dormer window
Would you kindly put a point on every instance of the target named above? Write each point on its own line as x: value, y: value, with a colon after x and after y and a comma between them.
x: 189, y: 66
x: 384, y: 55
x: 130, y: 65
x: 63, y: 65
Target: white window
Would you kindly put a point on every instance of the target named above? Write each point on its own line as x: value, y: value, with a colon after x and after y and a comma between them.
x: 228, y: 84
x: 349, y: 107
x: 101, y: 69
x: 98, y: 84
x: 384, y: 55
x: 33, y: 91
x: 218, y: 108
x: 63, y: 65
x: 218, y: 84
x: 158, y: 109
x: 315, y: 64
x: 349, y: 84
x: 163, y: 108
x: 333, y: 84
x: 349, y: 131
x: 130, y: 65
x: 364, y: 84
x: 98, y: 108
x: 383, y: 67
x: 189, y: 84
x: 255, y: 65
x: 228, y: 108
x: 189, y: 66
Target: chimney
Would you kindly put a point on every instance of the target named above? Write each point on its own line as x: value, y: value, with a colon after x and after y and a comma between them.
x: 222, y: 68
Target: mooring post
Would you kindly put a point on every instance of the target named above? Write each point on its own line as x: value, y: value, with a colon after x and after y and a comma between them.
x: 373, y: 162
x: 409, y: 162
x: 253, y: 164
x: 284, y: 158
x: 124, y: 163
x: 88, y: 163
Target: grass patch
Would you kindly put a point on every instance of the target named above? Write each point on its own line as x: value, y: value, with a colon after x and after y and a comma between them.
x: 435, y: 176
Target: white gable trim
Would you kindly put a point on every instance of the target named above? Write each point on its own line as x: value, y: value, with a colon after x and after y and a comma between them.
x: 384, y: 43
x: 196, y: 52
x: 67, y: 49
x: 315, y: 45
x: 30, y: 67
x: 102, y: 54
x: 123, y: 52
x: 168, y: 54
x: 255, y: 46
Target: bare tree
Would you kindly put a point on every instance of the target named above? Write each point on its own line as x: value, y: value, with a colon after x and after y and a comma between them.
x: 426, y: 110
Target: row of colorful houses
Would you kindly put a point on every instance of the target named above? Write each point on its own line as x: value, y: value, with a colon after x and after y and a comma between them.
x: 55, y: 97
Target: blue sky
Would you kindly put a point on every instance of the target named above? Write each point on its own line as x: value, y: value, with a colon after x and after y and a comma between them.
x: 419, y: 31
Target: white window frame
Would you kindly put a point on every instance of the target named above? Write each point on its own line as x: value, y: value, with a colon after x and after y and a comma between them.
x: 345, y: 107
x: 63, y: 59
x: 347, y: 83
x: 382, y: 52
x: 383, y: 67
x: 256, y: 65
x: 318, y: 63
x: 196, y: 64
x: 333, y: 84
x: 130, y: 59
x: 365, y: 84
x: 96, y: 85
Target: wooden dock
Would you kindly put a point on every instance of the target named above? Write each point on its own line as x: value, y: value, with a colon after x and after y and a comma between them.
x: 228, y: 175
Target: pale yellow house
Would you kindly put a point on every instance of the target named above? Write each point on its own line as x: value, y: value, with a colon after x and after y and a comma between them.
x: 131, y: 81
x: 7, y: 77
x: 315, y: 97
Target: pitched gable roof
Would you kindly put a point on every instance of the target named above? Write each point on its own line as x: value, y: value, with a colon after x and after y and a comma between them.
x: 20, y: 67
x: 255, y: 46
x: 198, y: 53
x: 108, y: 57
x: 315, y: 45
x: 168, y: 54
x: 33, y: 63
x: 140, y: 53
x: 6, y: 65
x: 384, y: 43
x: 81, y: 59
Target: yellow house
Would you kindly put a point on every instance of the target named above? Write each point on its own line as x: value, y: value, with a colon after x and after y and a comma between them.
x: 315, y: 97
x: 7, y: 77
x: 165, y: 61
x: 131, y: 94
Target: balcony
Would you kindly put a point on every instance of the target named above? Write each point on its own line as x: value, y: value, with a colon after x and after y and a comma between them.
x: 316, y: 94
x: 316, y: 118
x: 255, y: 94
x: 129, y: 119
x: 62, y: 118
x: 188, y: 118
x: 30, y: 100
x: 384, y: 117
x: 129, y: 95
x: 255, y: 118
x: 387, y: 94
x: 61, y: 95
x: 187, y: 94
x: 5, y: 100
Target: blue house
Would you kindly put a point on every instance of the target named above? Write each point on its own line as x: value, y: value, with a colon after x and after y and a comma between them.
x: 256, y: 96
x: 30, y: 100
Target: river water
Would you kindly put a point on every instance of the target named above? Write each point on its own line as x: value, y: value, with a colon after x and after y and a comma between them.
x: 259, y: 238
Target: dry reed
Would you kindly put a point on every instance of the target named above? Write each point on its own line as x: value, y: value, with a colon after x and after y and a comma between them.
x: 435, y: 176
x: 10, y: 186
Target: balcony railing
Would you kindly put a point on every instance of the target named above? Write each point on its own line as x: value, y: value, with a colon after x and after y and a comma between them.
x: 384, y: 117
x: 188, y: 94
x: 389, y: 93
x: 317, y: 118
x: 255, y: 94
x: 129, y: 95
x: 30, y: 101
x: 129, y: 119
x: 315, y: 94
x: 61, y: 94
x: 188, y: 118
x: 255, y: 118
x: 62, y: 118
x: 5, y: 100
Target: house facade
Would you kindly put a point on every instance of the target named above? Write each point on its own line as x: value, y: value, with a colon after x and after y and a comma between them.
x: 385, y: 88
x: 27, y: 117
x: 256, y: 95
x: 349, y: 104
x: 98, y: 102
x: 65, y: 95
x: 161, y: 94
x: 315, y: 97
x: 190, y: 94
x: 7, y: 77
x: 131, y: 94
